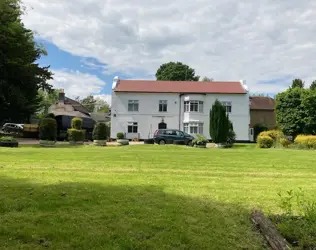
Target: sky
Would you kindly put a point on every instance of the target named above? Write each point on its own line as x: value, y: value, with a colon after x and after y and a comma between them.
x: 268, y: 43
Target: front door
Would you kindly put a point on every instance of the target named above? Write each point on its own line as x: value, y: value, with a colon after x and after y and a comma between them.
x: 162, y: 125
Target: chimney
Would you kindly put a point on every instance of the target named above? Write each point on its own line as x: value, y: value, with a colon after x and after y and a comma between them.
x: 61, y: 96
x: 116, y: 81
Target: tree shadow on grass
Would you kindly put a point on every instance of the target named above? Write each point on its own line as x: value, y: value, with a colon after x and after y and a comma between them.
x: 94, y: 216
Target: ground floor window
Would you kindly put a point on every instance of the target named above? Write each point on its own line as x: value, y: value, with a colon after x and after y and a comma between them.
x: 193, y: 128
x: 132, y: 127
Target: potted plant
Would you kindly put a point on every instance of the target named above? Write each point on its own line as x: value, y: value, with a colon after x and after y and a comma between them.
x: 100, y: 134
x: 120, y: 139
x: 48, y: 132
x: 76, y: 134
x: 200, y: 141
x: 8, y: 141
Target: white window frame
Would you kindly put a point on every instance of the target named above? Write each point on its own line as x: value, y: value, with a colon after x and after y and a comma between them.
x: 193, y: 106
x: 228, y: 106
x: 193, y: 128
x: 133, y: 106
x: 163, y: 106
x: 132, y: 125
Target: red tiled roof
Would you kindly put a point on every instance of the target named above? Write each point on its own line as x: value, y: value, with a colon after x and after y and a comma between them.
x: 147, y: 86
x: 262, y: 103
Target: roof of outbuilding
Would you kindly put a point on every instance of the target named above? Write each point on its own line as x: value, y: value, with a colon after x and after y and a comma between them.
x: 262, y: 103
x: 152, y: 86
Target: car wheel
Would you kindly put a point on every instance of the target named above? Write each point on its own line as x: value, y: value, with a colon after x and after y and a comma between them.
x: 162, y: 142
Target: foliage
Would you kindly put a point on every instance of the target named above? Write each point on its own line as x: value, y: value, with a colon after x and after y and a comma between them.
x: 120, y: 135
x: 76, y: 123
x: 21, y: 76
x: 101, y: 106
x: 285, y: 143
x: 200, y: 140
x: 7, y: 139
x: 206, y: 79
x: 297, y: 83
x: 47, y: 98
x: 306, y: 141
x: 264, y: 141
x: 176, y: 71
x: 89, y: 103
x: 298, y: 222
x: 219, y: 123
x: 50, y: 115
x: 276, y: 135
x: 76, y: 135
x: 231, y: 137
x: 48, y: 129
x: 290, y: 111
x: 258, y: 128
x: 313, y: 86
x: 309, y: 106
x: 100, y: 131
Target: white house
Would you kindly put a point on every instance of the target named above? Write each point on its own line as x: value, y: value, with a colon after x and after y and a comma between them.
x: 140, y: 107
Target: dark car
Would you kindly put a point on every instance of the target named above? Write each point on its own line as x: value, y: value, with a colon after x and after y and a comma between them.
x: 168, y: 136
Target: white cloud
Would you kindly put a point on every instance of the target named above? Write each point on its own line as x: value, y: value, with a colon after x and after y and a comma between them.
x: 222, y: 39
x: 76, y: 83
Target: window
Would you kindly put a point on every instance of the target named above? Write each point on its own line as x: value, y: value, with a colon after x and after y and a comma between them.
x: 133, y: 105
x: 193, y: 106
x: 132, y: 127
x: 228, y: 106
x: 193, y: 128
x: 163, y: 106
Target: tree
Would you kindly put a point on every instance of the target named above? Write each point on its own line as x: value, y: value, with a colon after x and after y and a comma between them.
x: 176, y: 71
x: 309, y: 106
x: 313, y: 86
x: 101, y: 106
x: 297, y: 83
x: 290, y: 111
x: 21, y: 77
x: 219, y: 123
x: 206, y: 79
x: 89, y: 103
x: 46, y: 100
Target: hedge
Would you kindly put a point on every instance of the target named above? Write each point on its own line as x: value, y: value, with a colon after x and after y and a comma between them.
x: 48, y: 129
x: 100, y: 131
x: 76, y: 135
x: 306, y: 141
x: 76, y: 123
x: 264, y: 141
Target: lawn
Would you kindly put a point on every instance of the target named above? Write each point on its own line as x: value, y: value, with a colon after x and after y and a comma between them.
x: 143, y: 197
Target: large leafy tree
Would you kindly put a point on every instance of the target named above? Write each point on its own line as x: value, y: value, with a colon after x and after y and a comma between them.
x: 290, y: 111
x: 20, y: 76
x: 176, y: 71
x: 47, y: 98
x: 207, y: 79
x: 313, y: 86
x: 219, y: 123
x: 298, y: 83
x: 89, y: 103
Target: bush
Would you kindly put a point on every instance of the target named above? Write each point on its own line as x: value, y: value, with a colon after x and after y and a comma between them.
x: 264, y: 141
x: 200, y: 140
x: 76, y: 123
x: 48, y: 129
x: 50, y: 115
x: 100, y: 131
x: 76, y: 135
x: 306, y: 141
x: 275, y: 135
x: 285, y: 143
x: 120, y: 135
x: 258, y: 128
x: 7, y: 139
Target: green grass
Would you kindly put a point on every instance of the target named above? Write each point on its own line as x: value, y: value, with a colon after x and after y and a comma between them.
x: 143, y: 197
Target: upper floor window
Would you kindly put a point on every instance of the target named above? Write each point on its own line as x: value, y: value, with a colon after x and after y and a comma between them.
x: 133, y: 105
x: 228, y: 106
x: 163, y: 106
x: 193, y: 106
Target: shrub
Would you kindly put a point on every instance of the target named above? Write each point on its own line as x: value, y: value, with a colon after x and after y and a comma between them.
x: 219, y: 123
x: 7, y: 139
x: 76, y: 123
x: 264, y: 141
x: 200, y: 140
x: 48, y: 129
x: 231, y: 137
x: 285, y: 142
x: 100, y: 131
x: 120, y: 135
x: 275, y: 135
x: 258, y: 128
x: 306, y: 141
x: 76, y: 135
x: 50, y: 115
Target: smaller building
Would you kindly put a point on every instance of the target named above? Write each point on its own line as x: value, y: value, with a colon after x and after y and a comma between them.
x: 262, y: 111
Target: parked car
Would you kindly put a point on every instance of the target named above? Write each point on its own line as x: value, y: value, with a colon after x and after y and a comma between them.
x: 12, y: 128
x: 168, y: 136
